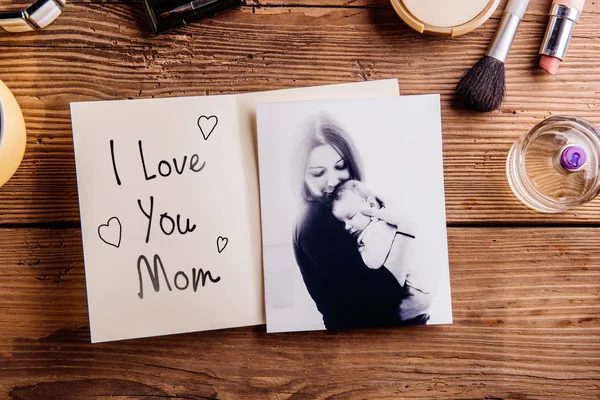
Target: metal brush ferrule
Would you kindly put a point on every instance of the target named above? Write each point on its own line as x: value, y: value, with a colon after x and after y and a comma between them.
x: 504, y: 37
x: 560, y: 28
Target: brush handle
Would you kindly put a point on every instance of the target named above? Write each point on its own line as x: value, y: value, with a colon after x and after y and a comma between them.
x: 507, y: 29
x: 517, y: 7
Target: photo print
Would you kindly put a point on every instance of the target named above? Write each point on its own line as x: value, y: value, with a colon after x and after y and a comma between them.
x: 353, y: 214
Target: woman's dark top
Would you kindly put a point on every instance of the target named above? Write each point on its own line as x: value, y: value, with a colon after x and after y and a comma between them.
x: 346, y: 291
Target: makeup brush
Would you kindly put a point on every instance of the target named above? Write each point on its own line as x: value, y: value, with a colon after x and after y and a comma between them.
x: 482, y: 87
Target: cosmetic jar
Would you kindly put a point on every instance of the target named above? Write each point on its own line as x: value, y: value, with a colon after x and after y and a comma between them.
x: 445, y: 17
x: 12, y: 134
x: 555, y: 166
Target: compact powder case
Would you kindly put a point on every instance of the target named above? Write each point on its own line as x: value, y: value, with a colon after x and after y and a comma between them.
x: 445, y: 17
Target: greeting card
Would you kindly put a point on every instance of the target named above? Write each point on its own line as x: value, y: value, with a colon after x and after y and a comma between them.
x: 169, y: 203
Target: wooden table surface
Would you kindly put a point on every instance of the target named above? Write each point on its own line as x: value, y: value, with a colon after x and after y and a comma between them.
x: 525, y: 286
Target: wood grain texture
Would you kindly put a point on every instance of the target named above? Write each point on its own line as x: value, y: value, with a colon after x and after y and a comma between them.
x: 102, y: 51
x: 526, y: 326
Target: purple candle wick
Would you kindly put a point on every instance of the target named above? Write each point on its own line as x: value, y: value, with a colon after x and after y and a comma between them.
x: 572, y: 158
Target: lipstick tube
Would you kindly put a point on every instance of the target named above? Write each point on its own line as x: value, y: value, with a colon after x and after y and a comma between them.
x: 562, y: 22
x: 564, y: 15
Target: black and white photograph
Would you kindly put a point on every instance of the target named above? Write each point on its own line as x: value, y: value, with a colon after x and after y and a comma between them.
x: 353, y: 214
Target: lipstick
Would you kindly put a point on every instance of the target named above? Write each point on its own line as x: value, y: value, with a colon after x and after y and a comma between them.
x: 564, y: 15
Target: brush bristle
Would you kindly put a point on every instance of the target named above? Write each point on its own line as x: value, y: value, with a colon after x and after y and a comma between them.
x: 482, y: 87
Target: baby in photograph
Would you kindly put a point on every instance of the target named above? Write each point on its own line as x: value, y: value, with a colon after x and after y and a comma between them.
x: 382, y: 244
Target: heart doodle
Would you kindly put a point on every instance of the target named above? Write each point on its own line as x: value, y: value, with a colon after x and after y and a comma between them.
x: 207, y: 125
x: 222, y: 243
x: 111, y: 233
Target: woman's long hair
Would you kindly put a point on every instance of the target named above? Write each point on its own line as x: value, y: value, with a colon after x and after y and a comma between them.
x: 322, y: 130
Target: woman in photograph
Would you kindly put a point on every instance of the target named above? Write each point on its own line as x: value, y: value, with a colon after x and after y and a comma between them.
x: 347, y: 293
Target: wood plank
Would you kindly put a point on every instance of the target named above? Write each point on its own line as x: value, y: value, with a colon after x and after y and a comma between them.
x: 526, y: 325
x: 125, y: 24
x: 535, y: 6
x: 101, y: 52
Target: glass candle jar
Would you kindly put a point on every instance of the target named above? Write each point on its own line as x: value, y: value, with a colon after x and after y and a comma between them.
x: 12, y: 134
x: 555, y: 166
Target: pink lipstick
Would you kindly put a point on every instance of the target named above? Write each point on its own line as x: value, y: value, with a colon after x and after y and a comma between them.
x: 564, y: 15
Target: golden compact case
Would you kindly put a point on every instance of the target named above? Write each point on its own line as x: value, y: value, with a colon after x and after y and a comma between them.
x: 445, y: 17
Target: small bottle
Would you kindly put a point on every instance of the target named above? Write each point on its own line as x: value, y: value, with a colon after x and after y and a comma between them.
x: 555, y: 166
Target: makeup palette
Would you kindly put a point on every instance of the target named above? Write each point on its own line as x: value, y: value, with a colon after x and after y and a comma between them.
x: 166, y: 15
x: 445, y: 17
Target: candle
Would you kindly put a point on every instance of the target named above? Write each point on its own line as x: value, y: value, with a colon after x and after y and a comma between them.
x: 12, y: 134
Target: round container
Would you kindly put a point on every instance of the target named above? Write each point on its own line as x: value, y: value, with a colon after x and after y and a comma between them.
x: 556, y: 165
x: 445, y: 17
x: 12, y: 134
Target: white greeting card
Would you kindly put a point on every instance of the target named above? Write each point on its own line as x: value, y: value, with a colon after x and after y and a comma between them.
x: 168, y: 194
x: 326, y: 263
